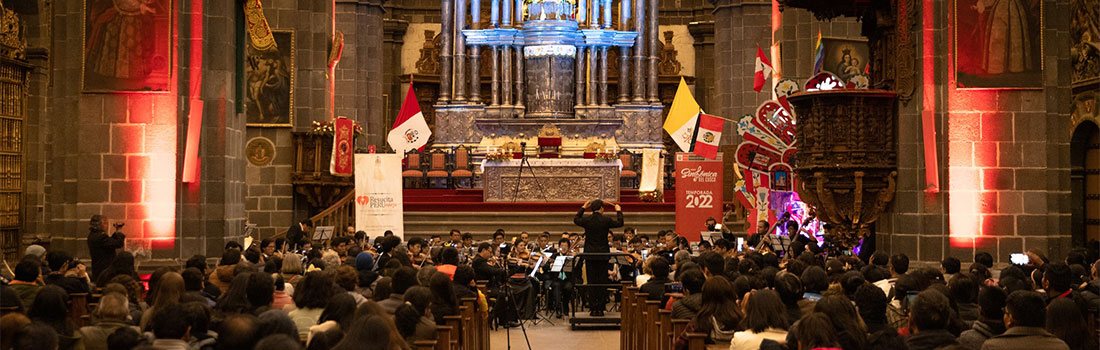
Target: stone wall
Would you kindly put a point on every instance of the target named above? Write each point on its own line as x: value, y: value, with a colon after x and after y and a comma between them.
x: 1003, y: 160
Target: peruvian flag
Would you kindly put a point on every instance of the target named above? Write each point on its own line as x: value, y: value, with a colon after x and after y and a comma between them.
x: 763, y: 69
x: 706, y: 139
x: 410, y: 130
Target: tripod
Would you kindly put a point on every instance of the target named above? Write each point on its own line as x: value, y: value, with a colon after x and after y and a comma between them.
x: 519, y: 176
x: 543, y: 313
x: 507, y: 289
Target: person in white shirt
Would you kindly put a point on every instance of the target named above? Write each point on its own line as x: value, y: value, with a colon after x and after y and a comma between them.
x: 765, y: 319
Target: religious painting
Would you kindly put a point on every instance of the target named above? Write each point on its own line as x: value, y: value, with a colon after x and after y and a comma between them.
x: 1085, y: 32
x: 127, y: 45
x: 845, y: 57
x: 269, y: 83
x: 998, y: 43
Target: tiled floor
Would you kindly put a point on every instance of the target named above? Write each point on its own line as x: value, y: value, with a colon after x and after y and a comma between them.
x: 558, y: 336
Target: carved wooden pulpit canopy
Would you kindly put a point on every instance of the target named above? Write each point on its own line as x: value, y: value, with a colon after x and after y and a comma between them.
x: 847, y: 154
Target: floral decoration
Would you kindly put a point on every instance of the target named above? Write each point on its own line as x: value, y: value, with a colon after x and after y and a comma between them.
x: 651, y: 196
x: 605, y: 157
x: 498, y: 156
x: 326, y: 128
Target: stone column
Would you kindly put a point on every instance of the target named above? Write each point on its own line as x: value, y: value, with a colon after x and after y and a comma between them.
x: 653, y: 52
x: 607, y: 14
x: 624, y: 74
x: 625, y: 11
x: 506, y: 72
x: 639, y: 52
x: 519, y: 78
x: 582, y: 10
x: 460, y: 51
x: 592, y: 74
x: 594, y: 17
x: 603, y: 76
x: 495, y: 85
x: 475, y: 54
x: 519, y: 13
x: 447, y: 28
x: 494, y: 14
x: 506, y: 14
x: 578, y: 68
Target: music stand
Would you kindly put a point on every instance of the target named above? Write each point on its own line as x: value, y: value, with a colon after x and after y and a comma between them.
x: 780, y: 243
x: 323, y: 233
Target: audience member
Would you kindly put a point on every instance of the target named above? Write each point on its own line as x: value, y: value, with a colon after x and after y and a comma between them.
x: 444, y: 299
x: 413, y: 318
x: 719, y: 315
x: 122, y: 264
x: 1025, y: 319
x: 815, y: 332
x: 371, y: 332
x: 842, y: 314
x: 167, y: 292
x: 655, y: 287
x: 871, y: 303
x: 790, y: 291
x: 25, y: 282
x: 765, y: 319
x: 990, y: 323
x: 1064, y: 320
x: 688, y: 306
x: 35, y: 336
x: 310, y: 298
x: 111, y: 313
x: 403, y: 279
x: 170, y: 331
x: 928, y: 319
x: 50, y: 307
x: 339, y: 310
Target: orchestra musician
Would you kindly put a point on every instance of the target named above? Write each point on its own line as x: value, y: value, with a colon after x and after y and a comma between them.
x: 596, y: 229
x: 561, y: 283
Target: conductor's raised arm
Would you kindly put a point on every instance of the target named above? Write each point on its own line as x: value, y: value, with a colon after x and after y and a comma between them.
x: 618, y: 217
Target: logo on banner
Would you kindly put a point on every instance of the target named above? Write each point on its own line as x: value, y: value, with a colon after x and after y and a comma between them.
x: 708, y: 137
x: 412, y: 135
x: 362, y: 200
x: 699, y: 175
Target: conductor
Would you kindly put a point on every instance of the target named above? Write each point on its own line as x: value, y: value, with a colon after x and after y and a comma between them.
x: 596, y: 228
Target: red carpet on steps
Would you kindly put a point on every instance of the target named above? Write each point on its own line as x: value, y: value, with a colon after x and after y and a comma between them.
x: 471, y: 200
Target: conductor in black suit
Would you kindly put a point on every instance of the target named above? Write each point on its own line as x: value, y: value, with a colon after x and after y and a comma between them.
x: 297, y: 232
x: 596, y: 228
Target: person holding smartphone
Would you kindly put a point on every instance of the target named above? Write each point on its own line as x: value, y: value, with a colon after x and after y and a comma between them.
x: 101, y: 246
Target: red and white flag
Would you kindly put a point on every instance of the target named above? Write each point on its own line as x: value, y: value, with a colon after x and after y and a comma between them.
x: 708, y: 135
x: 410, y: 130
x: 763, y: 70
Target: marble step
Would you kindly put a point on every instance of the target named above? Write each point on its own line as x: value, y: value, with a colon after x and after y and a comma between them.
x: 483, y: 224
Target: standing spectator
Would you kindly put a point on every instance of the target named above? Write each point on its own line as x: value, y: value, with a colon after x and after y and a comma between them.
x: 25, y: 284
x: 110, y: 314
x: 928, y: 319
x: 765, y: 319
x: 1025, y: 318
x: 102, y: 247
x: 1064, y: 320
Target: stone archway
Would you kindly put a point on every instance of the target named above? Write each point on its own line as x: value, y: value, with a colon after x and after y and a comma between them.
x: 1085, y: 183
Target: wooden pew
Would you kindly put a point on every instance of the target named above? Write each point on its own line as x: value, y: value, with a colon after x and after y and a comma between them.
x: 78, y: 309
x: 637, y: 320
x: 442, y: 337
x: 625, y: 336
x: 697, y: 341
x: 468, y: 329
x: 664, y: 325
x: 424, y: 345
x: 652, y: 337
x: 455, y: 324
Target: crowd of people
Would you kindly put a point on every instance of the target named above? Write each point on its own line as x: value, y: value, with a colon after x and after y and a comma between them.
x: 355, y: 292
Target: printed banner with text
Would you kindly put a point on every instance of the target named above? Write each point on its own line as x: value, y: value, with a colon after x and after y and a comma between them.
x: 378, y: 205
x: 698, y: 193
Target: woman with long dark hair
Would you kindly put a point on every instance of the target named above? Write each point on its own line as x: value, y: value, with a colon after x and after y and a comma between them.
x: 337, y: 315
x: 1065, y: 321
x: 444, y: 301
x: 851, y: 332
x: 235, y: 298
x: 413, y: 319
x: 815, y: 332
x: 765, y: 319
x: 167, y: 292
x: 123, y: 264
x: 371, y: 332
x: 719, y: 315
x: 310, y: 298
x: 50, y: 307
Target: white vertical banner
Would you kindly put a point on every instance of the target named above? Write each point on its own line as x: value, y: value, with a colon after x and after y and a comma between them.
x: 378, y: 205
x: 652, y: 167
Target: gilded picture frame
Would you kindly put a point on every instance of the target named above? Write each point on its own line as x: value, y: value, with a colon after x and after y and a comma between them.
x: 269, y: 83
x: 845, y: 57
x: 998, y: 44
x: 147, y: 64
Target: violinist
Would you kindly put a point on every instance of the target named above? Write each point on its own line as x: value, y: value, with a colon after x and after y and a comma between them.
x: 417, y: 251
x: 486, y: 267
x: 543, y: 243
x: 561, y: 283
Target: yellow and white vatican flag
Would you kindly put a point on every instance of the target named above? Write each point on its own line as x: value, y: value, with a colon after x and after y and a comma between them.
x: 682, y: 117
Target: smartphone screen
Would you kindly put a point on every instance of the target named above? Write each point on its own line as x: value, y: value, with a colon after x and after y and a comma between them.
x: 740, y: 244
x: 1019, y: 259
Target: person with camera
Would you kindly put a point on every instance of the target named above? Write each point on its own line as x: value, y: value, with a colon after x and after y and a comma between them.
x: 596, y: 229
x: 101, y: 246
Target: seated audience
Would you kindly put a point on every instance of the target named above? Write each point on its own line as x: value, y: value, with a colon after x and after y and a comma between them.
x: 929, y: 316
x: 655, y: 287
x: 111, y: 313
x: 990, y: 323
x: 1064, y: 320
x: 719, y: 316
x: 413, y: 318
x: 50, y: 307
x: 1025, y: 319
x: 815, y: 332
x: 765, y: 319
x: 403, y: 279
x: 25, y: 282
x: 310, y: 299
x: 688, y: 306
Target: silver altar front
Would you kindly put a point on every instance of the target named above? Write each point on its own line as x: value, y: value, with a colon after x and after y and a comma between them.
x: 549, y: 66
x: 553, y: 180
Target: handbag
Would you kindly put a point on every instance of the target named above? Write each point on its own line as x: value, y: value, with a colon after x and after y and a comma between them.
x: 717, y: 334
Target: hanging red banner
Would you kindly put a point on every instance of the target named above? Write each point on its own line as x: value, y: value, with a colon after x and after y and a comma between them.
x: 698, y: 193
x: 343, y: 137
